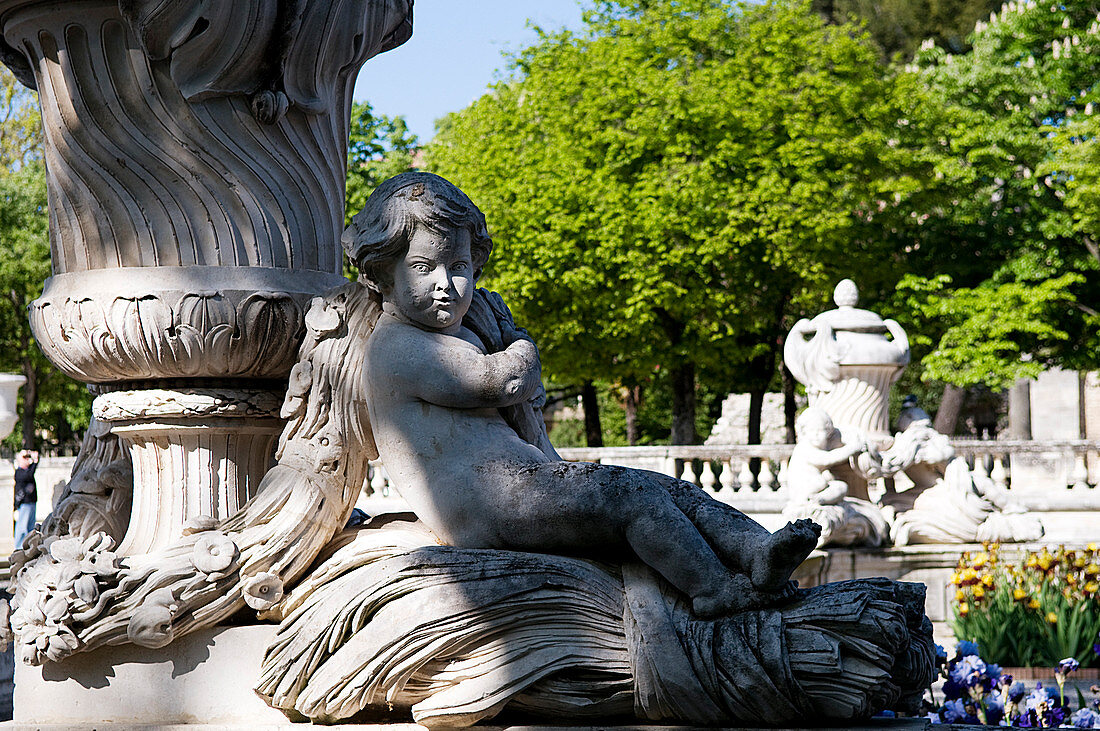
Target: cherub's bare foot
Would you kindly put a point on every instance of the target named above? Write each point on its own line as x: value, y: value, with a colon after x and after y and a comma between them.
x: 782, y: 553
x: 739, y: 595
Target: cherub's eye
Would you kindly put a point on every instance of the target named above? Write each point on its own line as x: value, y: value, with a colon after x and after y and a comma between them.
x: 421, y: 268
x: 460, y: 266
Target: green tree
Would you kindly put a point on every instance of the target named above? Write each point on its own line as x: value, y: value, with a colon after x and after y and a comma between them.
x: 669, y: 187
x: 49, y: 402
x: 379, y: 147
x: 1005, y: 278
x: 900, y: 26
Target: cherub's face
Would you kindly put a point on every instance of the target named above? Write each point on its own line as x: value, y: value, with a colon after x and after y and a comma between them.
x: 433, y: 284
x: 816, y: 432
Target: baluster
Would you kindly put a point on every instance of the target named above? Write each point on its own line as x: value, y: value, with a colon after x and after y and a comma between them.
x: 688, y: 475
x: 744, y: 477
x: 668, y: 467
x: 378, y: 481
x: 727, y: 479
x: 766, y: 476
x: 782, y: 475
x: 999, y: 474
x: 980, y: 470
x: 706, y: 478
x: 1080, y: 472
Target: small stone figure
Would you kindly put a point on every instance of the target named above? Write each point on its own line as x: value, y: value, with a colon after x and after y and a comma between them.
x: 821, y: 456
x: 435, y: 393
x: 820, y: 447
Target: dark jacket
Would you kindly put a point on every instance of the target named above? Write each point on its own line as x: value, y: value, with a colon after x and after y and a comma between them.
x: 25, y: 490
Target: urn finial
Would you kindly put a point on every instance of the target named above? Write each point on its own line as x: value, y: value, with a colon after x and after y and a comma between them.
x: 846, y: 294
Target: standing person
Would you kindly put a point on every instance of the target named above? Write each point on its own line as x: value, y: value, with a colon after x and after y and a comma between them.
x: 26, y: 494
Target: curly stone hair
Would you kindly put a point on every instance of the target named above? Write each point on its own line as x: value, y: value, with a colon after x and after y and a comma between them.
x: 379, y: 234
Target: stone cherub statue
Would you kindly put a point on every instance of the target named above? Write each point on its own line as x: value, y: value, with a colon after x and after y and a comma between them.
x: 817, y: 493
x: 434, y: 392
x: 416, y: 366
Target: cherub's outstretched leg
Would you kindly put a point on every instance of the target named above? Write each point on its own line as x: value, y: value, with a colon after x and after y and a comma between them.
x: 582, y: 508
x: 663, y: 537
x: 768, y: 558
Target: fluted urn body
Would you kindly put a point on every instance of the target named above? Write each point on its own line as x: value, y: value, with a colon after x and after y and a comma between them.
x: 196, y: 154
x: 848, y: 364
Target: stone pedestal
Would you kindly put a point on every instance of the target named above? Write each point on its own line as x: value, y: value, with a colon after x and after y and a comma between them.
x: 196, y: 452
x: 203, y: 678
x: 196, y: 184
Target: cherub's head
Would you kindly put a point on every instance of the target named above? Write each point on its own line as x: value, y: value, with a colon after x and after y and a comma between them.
x: 420, y: 243
x: 814, y: 427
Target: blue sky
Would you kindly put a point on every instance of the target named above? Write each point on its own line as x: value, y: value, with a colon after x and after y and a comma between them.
x: 455, y: 53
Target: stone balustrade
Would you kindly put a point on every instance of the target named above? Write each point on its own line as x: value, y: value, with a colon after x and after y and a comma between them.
x: 1057, y: 479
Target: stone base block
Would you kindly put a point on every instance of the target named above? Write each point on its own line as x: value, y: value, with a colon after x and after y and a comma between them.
x: 203, y: 678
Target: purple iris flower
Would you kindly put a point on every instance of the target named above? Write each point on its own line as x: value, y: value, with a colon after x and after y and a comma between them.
x: 1085, y: 718
x: 966, y: 647
x: 1067, y: 666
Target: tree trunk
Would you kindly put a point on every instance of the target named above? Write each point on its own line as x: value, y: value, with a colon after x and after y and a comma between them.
x: 790, y: 407
x: 631, y: 403
x: 947, y: 416
x: 683, y: 404
x: 1019, y: 410
x: 593, y: 432
x: 30, y: 402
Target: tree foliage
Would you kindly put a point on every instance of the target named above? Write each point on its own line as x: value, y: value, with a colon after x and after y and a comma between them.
x: 50, y: 402
x: 379, y: 147
x: 669, y: 186
x: 1023, y: 283
x: 900, y: 26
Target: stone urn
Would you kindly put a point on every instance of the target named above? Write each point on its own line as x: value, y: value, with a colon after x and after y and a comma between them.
x: 196, y: 154
x: 848, y: 364
x: 9, y: 391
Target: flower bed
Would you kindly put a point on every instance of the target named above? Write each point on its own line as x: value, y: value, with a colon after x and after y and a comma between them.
x: 1032, y: 613
x: 976, y: 692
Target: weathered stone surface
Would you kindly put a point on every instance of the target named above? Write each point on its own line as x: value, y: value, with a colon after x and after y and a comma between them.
x: 848, y: 364
x: 456, y: 636
x: 204, y: 678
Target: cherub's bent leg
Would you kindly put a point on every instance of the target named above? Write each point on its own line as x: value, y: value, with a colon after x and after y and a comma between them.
x: 576, y: 506
x: 768, y: 558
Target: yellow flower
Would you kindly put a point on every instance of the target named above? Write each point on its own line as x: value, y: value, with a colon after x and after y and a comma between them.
x: 1091, y: 548
x: 1052, y: 618
x: 964, y: 609
x: 969, y: 576
x: 980, y: 560
x: 1092, y: 570
x: 1019, y: 594
x: 1032, y: 561
x: 988, y: 581
x: 960, y: 596
x: 1092, y: 587
x: 1045, y: 561
x: 956, y: 578
x: 979, y: 591
x: 1033, y: 604
x: 1080, y: 562
x: 1067, y: 593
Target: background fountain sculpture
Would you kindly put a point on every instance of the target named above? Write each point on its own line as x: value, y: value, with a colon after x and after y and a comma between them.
x: 848, y: 365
